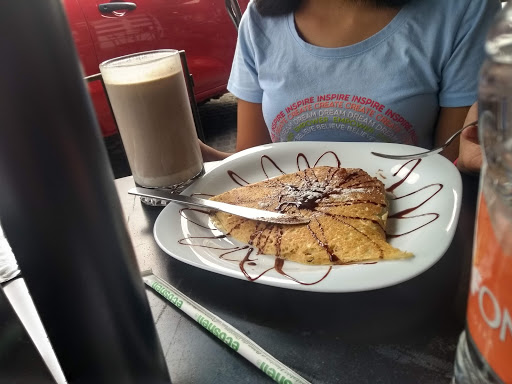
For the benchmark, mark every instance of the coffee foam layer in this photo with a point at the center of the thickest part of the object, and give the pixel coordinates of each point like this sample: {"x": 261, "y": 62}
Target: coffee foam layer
{"x": 140, "y": 68}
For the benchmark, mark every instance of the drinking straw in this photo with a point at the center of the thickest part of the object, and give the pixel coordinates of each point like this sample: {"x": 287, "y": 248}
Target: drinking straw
{"x": 232, "y": 337}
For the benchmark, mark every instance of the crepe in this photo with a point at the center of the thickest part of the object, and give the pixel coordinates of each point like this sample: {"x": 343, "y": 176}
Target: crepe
{"x": 347, "y": 207}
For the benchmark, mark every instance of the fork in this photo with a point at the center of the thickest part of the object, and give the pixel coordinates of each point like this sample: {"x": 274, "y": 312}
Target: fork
{"x": 426, "y": 153}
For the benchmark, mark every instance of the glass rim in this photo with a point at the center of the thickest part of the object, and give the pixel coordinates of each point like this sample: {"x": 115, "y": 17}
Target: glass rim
{"x": 107, "y": 63}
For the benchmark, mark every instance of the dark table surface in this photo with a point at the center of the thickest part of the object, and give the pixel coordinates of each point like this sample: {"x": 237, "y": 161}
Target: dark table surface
{"x": 406, "y": 333}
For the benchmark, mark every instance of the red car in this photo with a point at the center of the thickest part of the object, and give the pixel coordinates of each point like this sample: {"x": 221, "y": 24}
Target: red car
{"x": 205, "y": 29}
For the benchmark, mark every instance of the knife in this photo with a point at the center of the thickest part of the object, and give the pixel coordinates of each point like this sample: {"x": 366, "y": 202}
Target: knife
{"x": 248, "y": 213}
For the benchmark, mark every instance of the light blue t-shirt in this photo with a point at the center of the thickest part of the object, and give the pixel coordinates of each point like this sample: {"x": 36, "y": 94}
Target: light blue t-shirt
{"x": 387, "y": 88}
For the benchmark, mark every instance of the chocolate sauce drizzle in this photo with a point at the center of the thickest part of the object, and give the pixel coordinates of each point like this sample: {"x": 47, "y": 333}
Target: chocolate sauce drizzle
{"x": 294, "y": 199}
{"x": 404, "y": 214}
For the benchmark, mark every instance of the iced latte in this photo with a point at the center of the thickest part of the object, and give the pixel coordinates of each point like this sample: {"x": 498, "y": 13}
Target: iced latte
{"x": 149, "y": 98}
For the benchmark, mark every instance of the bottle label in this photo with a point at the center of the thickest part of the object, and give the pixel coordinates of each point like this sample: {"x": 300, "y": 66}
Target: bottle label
{"x": 489, "y": 313}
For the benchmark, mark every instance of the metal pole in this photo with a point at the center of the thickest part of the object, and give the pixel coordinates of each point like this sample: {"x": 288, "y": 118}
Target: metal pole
{"x": 60, "y": 209}
{"x": 189, "y": 81}
{"x": 234, "y": 11}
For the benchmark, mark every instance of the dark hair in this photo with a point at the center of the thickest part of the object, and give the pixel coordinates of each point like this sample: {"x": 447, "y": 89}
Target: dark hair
{"x": 276, "y": 7}
{"x": 391, "y": 3}
{"x": 283, "y": 7}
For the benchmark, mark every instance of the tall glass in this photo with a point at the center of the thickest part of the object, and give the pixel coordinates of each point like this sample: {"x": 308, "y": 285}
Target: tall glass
{"x": 149, "y": 98}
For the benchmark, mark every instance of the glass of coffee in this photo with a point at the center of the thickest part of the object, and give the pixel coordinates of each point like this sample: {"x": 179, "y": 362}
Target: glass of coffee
{"x": 150, "y": 102}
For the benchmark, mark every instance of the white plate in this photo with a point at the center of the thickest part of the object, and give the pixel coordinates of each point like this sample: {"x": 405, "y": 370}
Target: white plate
{"x": 187, "y": 235}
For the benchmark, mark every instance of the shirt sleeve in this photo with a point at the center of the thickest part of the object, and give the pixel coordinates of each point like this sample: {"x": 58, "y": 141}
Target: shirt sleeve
{"x": 243, "y": 81}
{"x": 459, "y": 82}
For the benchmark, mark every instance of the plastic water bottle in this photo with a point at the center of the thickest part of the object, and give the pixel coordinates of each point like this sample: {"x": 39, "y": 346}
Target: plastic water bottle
{"x": 484, "y": 353}
{"x": 8, "y": 265}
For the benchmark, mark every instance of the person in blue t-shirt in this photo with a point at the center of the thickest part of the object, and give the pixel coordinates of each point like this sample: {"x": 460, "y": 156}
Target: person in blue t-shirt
{"x": 399, "y": 71}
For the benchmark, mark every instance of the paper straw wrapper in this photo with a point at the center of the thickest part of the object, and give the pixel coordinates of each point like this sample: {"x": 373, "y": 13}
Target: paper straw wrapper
{"x": 232, "y": 337}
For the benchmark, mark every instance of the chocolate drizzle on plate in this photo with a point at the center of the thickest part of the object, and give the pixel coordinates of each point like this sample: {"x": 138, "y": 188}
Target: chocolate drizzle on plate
{"x": 405, "y": 213}
{"x": 311, "y": 196}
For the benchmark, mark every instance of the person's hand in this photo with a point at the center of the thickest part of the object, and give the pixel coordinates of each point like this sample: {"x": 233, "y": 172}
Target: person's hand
{"x": 470, "y": 152}
{"x": 211, "y": 154}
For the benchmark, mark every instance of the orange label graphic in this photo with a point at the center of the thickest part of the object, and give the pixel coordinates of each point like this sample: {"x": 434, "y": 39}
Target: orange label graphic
{"x": 490, "y": 298}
